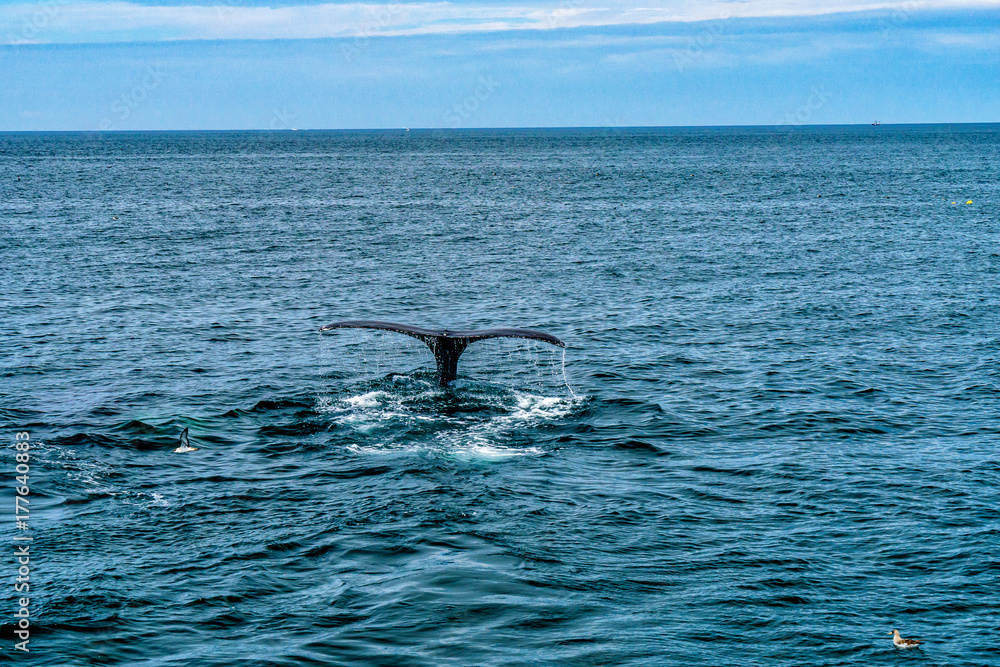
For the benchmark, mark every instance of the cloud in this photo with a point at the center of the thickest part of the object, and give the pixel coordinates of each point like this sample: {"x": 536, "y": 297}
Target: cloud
{"x": 62, "y": 21}
{"x": 986, "y": 41}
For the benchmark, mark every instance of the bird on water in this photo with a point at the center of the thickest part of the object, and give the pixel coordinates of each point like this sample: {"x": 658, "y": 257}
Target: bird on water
{"x": 900, "y": 642}
{"x": 185, "y": 443}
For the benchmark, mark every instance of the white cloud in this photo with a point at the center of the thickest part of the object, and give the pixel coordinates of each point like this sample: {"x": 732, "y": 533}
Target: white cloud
{"x": 985, "y": 41}
{"x": 60, "y": 21}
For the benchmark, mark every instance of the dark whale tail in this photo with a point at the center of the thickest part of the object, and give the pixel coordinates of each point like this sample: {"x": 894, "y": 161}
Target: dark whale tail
{"x": 447, "y": 345}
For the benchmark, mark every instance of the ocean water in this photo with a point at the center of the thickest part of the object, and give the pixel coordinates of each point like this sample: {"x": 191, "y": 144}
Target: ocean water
{"x": 773, "y": 436}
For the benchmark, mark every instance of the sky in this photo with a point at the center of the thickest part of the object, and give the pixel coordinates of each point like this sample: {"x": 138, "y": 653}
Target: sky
{"x": 294, "y": 64}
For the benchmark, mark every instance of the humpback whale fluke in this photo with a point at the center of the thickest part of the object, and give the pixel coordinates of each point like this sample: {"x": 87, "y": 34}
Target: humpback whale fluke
{"x": 447, "y": 345}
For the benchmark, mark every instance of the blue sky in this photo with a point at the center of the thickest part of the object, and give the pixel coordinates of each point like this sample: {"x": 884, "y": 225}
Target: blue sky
{"x": 229, "y": 64}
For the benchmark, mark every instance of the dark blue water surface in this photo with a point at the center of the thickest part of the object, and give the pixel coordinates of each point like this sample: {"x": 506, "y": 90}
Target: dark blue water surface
{"x": 774, "y": 437}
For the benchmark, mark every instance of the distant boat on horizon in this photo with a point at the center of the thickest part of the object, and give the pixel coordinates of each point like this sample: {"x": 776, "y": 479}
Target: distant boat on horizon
{"x": 876, "y": 123}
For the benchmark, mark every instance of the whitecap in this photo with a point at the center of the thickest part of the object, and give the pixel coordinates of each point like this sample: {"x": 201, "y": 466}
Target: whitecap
{"x": 369, "y": 400}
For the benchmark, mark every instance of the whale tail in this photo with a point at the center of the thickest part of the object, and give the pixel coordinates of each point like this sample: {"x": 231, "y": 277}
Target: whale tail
{"x": 447, "y": 345}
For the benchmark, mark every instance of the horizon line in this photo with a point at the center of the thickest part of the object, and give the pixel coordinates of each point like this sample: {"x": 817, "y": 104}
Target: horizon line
{"x": 461, "y": 130}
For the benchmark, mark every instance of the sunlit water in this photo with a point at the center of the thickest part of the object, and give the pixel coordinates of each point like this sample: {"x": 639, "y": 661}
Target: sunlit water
{"x": 773, "y": 438}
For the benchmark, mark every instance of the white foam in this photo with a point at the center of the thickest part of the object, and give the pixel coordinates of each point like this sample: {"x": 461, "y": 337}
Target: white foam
{"x": 541, "y": 407}
{"x": 372, "y": 399}
{"x": 92, "y": 476}
{"x": 369, "y": 400}
{"x": 485, "y": 452}
{"x": 364, "y": 412}
{"x": 469, "y": 452}
{"x": 465, "y": 436}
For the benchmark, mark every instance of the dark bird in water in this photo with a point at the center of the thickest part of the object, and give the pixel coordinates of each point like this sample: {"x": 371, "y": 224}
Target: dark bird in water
{"x": 185, "y": 442}
{"x": 900, "y": 642}
{"x": 446, "y": 345}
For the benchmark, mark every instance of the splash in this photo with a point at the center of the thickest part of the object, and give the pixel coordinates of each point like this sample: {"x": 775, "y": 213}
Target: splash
{"x": 566, "y": 377}
{"x": 472, "y": 421}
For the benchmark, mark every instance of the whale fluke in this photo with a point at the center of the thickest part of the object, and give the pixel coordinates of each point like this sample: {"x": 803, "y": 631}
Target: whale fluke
{"x": 447, "y": 345}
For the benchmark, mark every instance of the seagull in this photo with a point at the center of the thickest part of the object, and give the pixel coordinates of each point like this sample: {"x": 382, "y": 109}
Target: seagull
{"x": 186, "y": 445}
{"x": 899, "y": 642}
